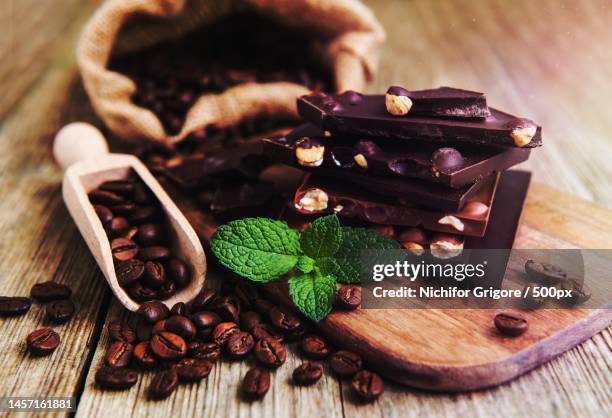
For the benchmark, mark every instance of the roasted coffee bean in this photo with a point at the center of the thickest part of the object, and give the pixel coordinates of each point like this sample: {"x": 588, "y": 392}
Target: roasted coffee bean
{"x": 14, "y": 306}
{"x": 314, "y": 347}
{"x": 128, "y": 272}
{"x": 153, "y": 311}
{"x": 168, "y": 346}
{"x": 529, "y": 300}
{"x": 223, "y": 331}
{"x": 249, "y": 319}
{"x": 261, "y": 331}
{"x": 117, "y": 227}
{"x": 103, "y": 197}
{"x": 345, "y": 363}
{"x": 158, "y": 327}
{"x": 131, "y": 233}
{"x": 145, "y": 215}
{"x": 263, "y": 306}
{"x": 117, "y": 379}
{"x": 200, "y": 302}
{"x": 154, "y": 274}
{"x": 270, "y": 353}
{"x": 121, "y": 332}
{"x": 103, "y": 213}
{"x": 167, "y": 290}
{"x": 307, "y": 373}
{"x": 349, "y": 297}
{"x": 239, "y": 345}
{"x": 179, "y": 308}
{"x": 144, "y": 331}
{"x": 48, "y": 291}
{"x": 227, "y": 308}
{"x": 150, "y": 234}
{"x": 124, "y": 209}
{"x": 247, "y": 294}
{"x": 256, "y": 383}
{"x": 123, "y": 249}
{"x": 164, "y": 383}
{"x": 205, "y": 351}
{"x": 579, "y": 291}
{"x": 285, "y": 322}
{"x": 122, "y": 187}
{"x": 119, "y": 354}
{"x": 544, "y": 272}
{"x": 205, "y": 322}
{"x": 181, "y": 325}
{"x": 142, "y": 196}
{"x": 179, "y": 272}
{"x": 192, "y": 369}
{"x": 43, "y": 341}
{"x": 143, "y": 355}
{"x": 142, "y": 293}
{"x": 153, "y": 253}
{"x": 367, "y": 385}
{"x": 59, "y": 310}
{"x": 511, "y": 323}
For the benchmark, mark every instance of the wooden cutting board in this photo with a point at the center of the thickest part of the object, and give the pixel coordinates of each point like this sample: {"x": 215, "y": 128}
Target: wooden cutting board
{"x": 459, "y": 349}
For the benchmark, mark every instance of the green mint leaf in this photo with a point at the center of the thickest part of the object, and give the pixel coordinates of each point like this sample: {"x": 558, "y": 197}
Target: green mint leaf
{"x": 345, "y": 265}
{"x": 322, "y": 238}
{"x": 305, "y": 264}
{"x": 257, "y": 248}
{"x": 313, "y": 294}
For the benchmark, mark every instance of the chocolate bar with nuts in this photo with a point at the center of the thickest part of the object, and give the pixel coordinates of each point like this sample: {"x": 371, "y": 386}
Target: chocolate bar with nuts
{"x": 320, "y": 195}
{"x": 386, "y": 158}
{"x": 446, "y": 102}
{"x": 352, "y": 113}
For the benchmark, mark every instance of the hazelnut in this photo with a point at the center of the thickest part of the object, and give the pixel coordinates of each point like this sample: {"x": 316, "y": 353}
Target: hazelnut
{"x": 309, "y": 152}
{"x": 414, "y": 248}
{"x": 475, "y": 209}
{"x": 338, "y": 208}
{"x": 397, "y": 105}
{"x": 313, "y": 200}
{"x": 522, "y": 136}
{"x": 453, "y": 221}
{"x": 361, "y": 160}
{"x": 446, "y": 246}
{"x": 327, "y": 134}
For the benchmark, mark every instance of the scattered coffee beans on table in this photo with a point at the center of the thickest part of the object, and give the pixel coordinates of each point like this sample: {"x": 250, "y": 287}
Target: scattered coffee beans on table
{"x": 511, "y": 323}
{"x": 43, "y": 341}
{"x": 14, "y": 305}
{"x": 256, "y": 383}
{"x": 307, "y": 373}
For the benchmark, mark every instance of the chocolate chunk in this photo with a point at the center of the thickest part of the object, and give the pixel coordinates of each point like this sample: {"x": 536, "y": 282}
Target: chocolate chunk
{"x": 444, "y": 102}
{"x": 242, "y": 197}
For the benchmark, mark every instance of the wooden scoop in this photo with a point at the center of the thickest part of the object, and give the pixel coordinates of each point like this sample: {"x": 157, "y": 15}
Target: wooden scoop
{"x": 81, "y": 149}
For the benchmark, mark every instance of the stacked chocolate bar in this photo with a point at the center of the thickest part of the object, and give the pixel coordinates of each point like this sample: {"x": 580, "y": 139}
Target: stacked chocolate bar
{"x": 425, "y": 167}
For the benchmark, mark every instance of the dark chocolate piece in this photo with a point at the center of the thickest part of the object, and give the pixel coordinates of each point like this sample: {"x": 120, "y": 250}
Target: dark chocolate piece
{"x": 388, "y": 158}
{"x": 319, "y": 195}
{"x": 443, "y": 102}
{"x": 242, "y": 197}
{"x": 369, "y": 117}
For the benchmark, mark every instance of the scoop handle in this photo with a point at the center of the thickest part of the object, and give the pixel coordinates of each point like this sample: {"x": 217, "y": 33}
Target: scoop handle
{"x": 78, "y": 141}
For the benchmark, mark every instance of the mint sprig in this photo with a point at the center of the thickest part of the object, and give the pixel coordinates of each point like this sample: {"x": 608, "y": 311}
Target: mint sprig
{"x": 263, "y": 250}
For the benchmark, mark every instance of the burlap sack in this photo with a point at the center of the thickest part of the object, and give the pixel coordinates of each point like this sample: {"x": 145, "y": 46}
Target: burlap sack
{"x": 354, "y": 34}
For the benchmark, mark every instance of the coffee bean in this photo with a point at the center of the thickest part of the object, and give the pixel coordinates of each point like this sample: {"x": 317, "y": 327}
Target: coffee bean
{"x": 48, "y": 291}
{"x": 14, "y": 305}
{"x": 179, "y": 272}
{"x": 119, "y": 354}
{"x": 150, "y": 234}
{"x": 145, "y": 215}
{"x": 117, "y": 227}
{"x": 158, "y": 327}
{"x": 128, "y": 272}
{"x": 249, "y": 319}
{"x": 153, "y": 311}
{"x": 349, "y": 297}
{"x": 167, "y": 290}
{"x": 164, "y": 383}
{"x": 579, "y": 291}
{"x": 544, "y": 272}
{"x": 205, "y": 351}
{"x": 122, "y": 187}
{"x": 227, "y": 308}
{"x": 511, "y": 323}
{"x": 123, "y": 249}
{"x": 60, "y": 311}
{"x": 314, "y": 347}
{"x": 345, "y": 363}
{"x": 117, "y": 379}
{"x": 143, "y": 355}
{"x": 263, "y": 306}
{"x": 256, "y": 383}
{"x": 285, "y": 321}
{"x": 181, "y": 325}
{"x": 247, "y": 294}
{"x": 307, "y": 373}
{"x": 261, "y": 331}
{"x": 153, "y": 253}
{"x": 205, "y": 322}
{"x": 200, "y": 302}
{"x": 270, "y": 353}
{"x": 529, "y": 300}
{"x": 239, "y": 345}
{"x": 121, "y": 332}
{"x": 142, "y": 196}
{"x": 103, "y": 197}
{"x": 141, "y": 293}
{"x": 154, "y": 274}
{"x": 192, "y": 369}
{"x": 168, "y": 346}
{"x": 144, "y": 331}
{"x": 179, "y": 308}
{"x": 367, "y": 385}
{"x": 103, "y": 213}
{"x": 223, "y": 331}
{"x": 43, "y": 341}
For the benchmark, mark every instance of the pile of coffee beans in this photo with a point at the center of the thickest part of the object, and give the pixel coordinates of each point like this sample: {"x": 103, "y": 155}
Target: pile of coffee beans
{"x": 238, "y": 49}
{"x": 182, "y": 344}
{"x": 138, "y": 234}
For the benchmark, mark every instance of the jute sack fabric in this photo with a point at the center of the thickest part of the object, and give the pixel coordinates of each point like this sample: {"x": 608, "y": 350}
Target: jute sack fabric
{"x": 346, "y": 31}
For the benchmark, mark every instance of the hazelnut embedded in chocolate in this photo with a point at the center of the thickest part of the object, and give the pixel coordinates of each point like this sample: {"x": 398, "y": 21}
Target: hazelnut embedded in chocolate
{"x": 313, "y": 200}
{"x": 414, "y": 247}
{"x": 452, "y": 221}
{"x": 361, "y": 161}
{"x": 444, "y": 246}
{"x": 309, "y": 152}
{"x": 523, "y": 133}
{"x": 397, "y": 101}
{"x": 445, "y": 159}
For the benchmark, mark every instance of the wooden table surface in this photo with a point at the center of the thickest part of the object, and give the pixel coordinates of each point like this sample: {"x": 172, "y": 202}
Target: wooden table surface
{"x": 547, "y": 60}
